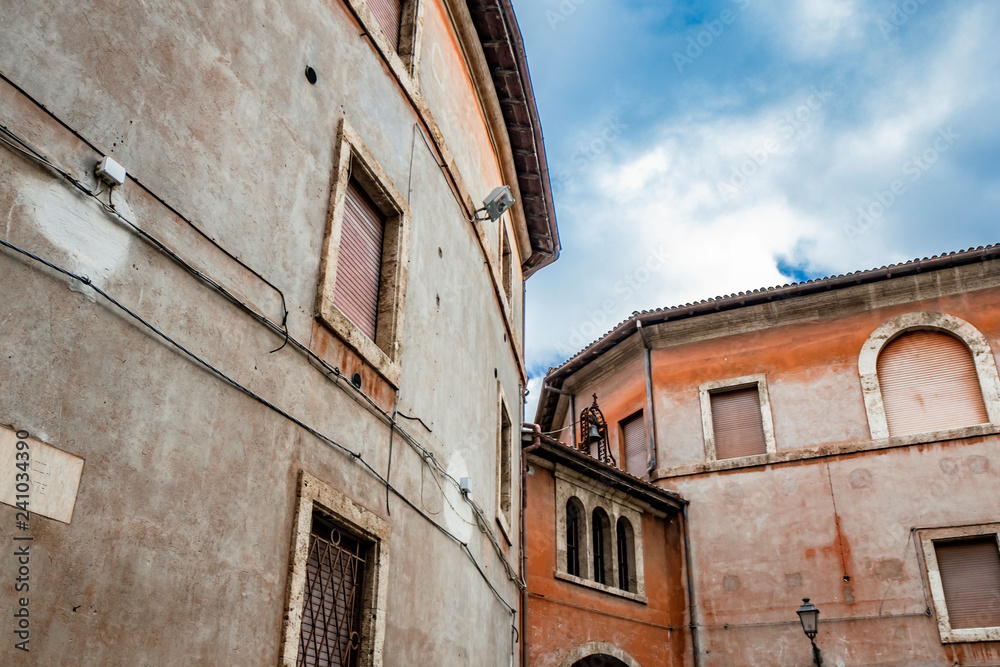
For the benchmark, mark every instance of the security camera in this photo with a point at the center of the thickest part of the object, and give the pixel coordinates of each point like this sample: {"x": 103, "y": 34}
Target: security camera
{"x": 497, "y": 202}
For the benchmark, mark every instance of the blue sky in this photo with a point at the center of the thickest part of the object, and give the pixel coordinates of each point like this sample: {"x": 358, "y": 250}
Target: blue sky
{"x": 703, "y": 148}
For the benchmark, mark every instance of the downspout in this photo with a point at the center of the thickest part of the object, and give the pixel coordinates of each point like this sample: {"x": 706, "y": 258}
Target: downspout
{"x": 692, "y": 605}
{"x": 650, "y": 417}
{"x": 572, "y": 411}
{"x": 536, "y": 442}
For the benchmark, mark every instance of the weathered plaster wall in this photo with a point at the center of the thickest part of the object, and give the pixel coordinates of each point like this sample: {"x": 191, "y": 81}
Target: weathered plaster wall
{"x": 179, "y": 547}
{"x": 831, "y": 515}
{"x": 564, "y": 615}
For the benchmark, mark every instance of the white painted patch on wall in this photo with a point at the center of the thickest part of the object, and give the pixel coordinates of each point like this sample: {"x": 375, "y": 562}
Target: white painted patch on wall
{"x": 95, "y": 244}
{"x": 458, "y": 517}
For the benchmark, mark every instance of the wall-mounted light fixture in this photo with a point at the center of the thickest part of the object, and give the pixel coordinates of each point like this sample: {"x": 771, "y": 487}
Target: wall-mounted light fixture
{"x": 809, "y": 615}
{"x": 496, "y": 203}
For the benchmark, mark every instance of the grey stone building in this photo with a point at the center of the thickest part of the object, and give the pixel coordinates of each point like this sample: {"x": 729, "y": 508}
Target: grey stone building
{"x": 265, "y": 393}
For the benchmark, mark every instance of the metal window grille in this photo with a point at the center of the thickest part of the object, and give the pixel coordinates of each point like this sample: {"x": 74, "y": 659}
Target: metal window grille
{"x": 623, "y": 549}
{"x": 334, "y": 592}
{"x": 572, "y": 540}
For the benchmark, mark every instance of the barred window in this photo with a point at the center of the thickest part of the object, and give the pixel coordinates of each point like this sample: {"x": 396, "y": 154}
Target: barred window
{"x": 334, "y": 592}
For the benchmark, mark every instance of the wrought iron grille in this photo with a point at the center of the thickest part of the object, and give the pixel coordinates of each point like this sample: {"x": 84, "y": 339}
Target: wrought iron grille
{"x": 331, "y": 614}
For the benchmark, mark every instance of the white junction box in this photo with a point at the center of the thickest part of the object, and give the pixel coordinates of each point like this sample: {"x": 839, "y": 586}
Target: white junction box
{"x": 111, "y": 172}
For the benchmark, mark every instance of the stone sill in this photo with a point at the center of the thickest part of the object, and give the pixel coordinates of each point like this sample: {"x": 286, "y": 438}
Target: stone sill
{"x": 821, "y": 451}
{"x": 635, "y": 597}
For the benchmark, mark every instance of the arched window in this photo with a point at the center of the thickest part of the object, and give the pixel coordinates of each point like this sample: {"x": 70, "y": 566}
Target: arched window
{"x": 929, "y": 383}
{"x": 573, "y": 537}
{"x": 602, "y": 544}
{"x": 626, "y": 555}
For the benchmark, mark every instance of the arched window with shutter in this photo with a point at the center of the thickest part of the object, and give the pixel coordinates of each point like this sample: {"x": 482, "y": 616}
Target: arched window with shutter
{"x": 626, "y": 555}
{"x": 602, "y": 546}
{"x": 929, "y": 383}
{"x": 922, "y": 372}
{"x": 574, "y": 515}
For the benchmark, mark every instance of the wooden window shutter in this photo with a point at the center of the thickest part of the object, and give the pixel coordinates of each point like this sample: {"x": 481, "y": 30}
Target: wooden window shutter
{"x": 359, "y": 260}
{"x": 636, "y": 451}
{"x": 970, "y": 576}
{"x": 388, "y": 14}
{"x": 929, "y": 383}
{"x": 737, "y": 423}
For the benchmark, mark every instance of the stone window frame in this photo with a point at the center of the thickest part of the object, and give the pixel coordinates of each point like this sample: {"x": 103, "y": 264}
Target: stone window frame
{"x": 982, "y": 356}
{"x": 705, "y": 392}
{"x": 404, "y": 60}
{"x": 505, "y": 522}
{"x": 315, "y": 494}
{"x": 353, "y": 161}
{"x": 928, "y": 537}
{"x": 616, "y": 504}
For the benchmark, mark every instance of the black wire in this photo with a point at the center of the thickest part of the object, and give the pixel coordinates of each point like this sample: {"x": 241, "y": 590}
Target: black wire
{"x": 388, "y": 470}
{"x": 282, "y": 329}
{"x": 263, "y": 401}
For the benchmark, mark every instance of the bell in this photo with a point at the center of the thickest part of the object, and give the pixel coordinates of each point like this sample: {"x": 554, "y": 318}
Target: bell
{"x": 594, "y": 435}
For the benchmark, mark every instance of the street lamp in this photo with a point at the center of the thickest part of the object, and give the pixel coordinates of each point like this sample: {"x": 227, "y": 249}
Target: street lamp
{"x": 809, "y": 615}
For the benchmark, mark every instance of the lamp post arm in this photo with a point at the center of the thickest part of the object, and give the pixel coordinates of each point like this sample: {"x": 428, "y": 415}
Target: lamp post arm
{"x": 817, "y": 658}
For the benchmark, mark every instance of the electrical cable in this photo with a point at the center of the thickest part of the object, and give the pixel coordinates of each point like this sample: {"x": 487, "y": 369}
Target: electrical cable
{"x": 263, "y": 401}
{"x": 280, "y": 329}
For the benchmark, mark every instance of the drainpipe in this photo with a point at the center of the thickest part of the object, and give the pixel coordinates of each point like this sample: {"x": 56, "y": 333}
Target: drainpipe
{"x": 536, "y": 442}
{"x": 692, "y": 605}
{"x": 572, "y": 411}
{"x": 650, "y": 418}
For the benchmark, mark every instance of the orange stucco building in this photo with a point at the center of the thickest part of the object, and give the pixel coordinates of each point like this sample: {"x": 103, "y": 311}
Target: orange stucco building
{"x": 836, "y": 440}
{"x": 605, "y": 563}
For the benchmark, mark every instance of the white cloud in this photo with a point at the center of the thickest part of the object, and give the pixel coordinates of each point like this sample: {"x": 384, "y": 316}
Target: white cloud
{"x": 728, "y": 188}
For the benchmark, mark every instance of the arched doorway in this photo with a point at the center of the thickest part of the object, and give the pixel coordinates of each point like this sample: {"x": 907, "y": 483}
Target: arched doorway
{"x": 599, "y": 661}
{"x": 598, "y": 654}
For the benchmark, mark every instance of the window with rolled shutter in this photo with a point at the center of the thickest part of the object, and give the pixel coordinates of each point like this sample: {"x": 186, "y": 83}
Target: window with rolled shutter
{"x": 359, "y": 260}
{"x": 334, "y": 589}
{"x": 388, "y": 14}
{"x": 737, "y": 423}
{"x": 929, "y": 383}
{"x": 634, "y": 443}
{"x": 970, "y": 576}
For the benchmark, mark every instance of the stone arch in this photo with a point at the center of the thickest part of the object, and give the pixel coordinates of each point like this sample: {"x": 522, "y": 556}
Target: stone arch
{"x": 982, "y": 356}
{"x": 597, "y": 650}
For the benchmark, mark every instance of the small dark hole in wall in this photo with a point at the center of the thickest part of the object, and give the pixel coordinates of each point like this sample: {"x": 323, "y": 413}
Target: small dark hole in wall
{"x": 846, "y": 578}
{"x": 494, "y": 372}
{"x": 311, "y": 75}
{"x": 356, "y": 380}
